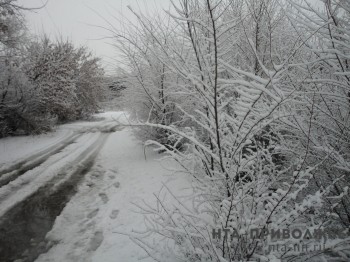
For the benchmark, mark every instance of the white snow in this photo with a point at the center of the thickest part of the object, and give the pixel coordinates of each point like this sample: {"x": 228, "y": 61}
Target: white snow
{"x": 93, "y": 224}
{"x": 14, "y": 148}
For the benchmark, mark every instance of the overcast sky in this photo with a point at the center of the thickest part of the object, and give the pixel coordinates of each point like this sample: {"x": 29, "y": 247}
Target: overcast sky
{"x": 75, "y": 19}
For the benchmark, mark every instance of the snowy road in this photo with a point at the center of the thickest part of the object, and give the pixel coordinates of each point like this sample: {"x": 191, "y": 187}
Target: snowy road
{"x": 64, "y": 196}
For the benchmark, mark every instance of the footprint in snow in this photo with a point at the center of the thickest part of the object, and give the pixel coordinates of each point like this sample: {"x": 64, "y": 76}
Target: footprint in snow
{"x": 97, "y": 174}
{"x": 112, "y": 173}
{"x": 104, "y": 198}
{"x": 114, "y": 214}
{"x": 96, "y": 241}
{"x": 116, "y": 184}
{"x": 93, "y": 213}
{"x": 90, "y": 184}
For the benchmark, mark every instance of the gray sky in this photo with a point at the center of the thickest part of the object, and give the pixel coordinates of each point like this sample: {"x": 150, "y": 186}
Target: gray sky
{"x": 75, "y": 19}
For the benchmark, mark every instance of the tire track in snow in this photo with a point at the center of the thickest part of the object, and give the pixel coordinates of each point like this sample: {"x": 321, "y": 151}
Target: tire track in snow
{"x": 24, "y": 185}
{"x": 56, "y": 165}
{"x": 42, "y": 153}
{"x": 24, "y": 224}
{"x": 18, "y": 169}
{"x": 12, "y": 172}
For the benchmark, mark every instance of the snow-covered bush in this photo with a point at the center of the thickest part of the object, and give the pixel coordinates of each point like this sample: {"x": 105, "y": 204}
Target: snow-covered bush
{"x": 42, "y": 82}
{"x": 152, "y": 90}
{"x": 261, "y": 142}
{"x": 20, "y": 106}
{"x": 69, "y": 79}
{"x": 326, "y": 85}
{"x": 19, "y": 99}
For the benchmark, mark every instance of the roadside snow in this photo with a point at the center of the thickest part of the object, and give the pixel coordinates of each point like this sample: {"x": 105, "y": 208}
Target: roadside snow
{"x": 89, "y": 227}
{"x": 93, "y": 225}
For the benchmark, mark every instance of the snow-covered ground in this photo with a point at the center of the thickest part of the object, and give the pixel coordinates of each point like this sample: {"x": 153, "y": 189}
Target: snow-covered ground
{"x": 116, "y": 174}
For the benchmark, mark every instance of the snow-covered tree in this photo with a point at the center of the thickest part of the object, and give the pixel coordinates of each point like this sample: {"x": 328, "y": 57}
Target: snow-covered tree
{"x": 248, "y": 118}
{"x": 69, "y": 79}
{"x": 151, "y": 86}
{"x": 15, "y": 91}
{"x": 12, "y": 24}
